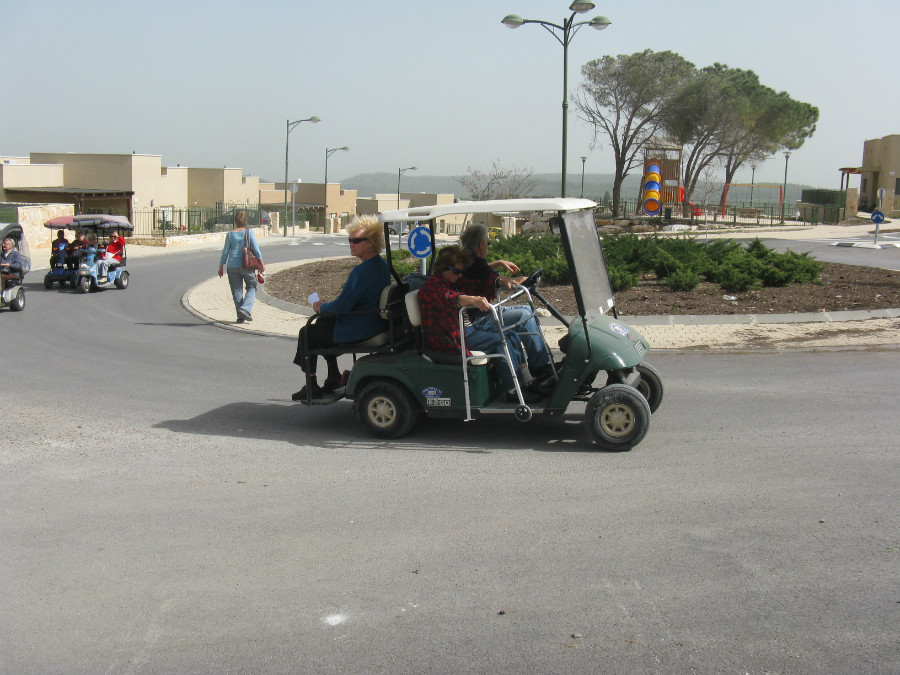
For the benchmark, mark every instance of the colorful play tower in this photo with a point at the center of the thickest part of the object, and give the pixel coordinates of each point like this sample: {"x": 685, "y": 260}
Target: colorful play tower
{"x": 661, "y": 180}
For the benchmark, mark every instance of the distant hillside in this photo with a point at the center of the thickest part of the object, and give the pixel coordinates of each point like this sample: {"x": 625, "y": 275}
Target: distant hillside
{"x": 546, "y": 185}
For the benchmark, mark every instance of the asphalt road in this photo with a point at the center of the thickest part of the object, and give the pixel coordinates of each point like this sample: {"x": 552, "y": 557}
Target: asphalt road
{"x": 164, "y": 507}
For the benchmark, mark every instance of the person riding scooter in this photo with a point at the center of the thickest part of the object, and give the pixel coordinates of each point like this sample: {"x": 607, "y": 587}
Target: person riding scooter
{"x": 11, "y": 265}
{"x": 113, "y": 254}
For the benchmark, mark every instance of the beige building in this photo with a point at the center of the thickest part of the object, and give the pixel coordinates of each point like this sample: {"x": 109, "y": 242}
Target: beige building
{"x": 880, "y": 170}
{"x": 151, "y": 194}
{"x": 125, "y": 184}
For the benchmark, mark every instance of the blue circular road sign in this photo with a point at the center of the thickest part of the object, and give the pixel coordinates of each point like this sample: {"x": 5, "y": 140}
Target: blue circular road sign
{"x": 877, "y": 217}
{"x": 419, "y": 242}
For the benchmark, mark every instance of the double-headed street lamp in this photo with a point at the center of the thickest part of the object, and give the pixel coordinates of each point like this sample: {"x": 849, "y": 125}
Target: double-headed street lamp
{"x": 568, "y": 29}
{"x": 287, "y": 138}
{"x": 400, "y": 172}
{"x": 328, "y": 153}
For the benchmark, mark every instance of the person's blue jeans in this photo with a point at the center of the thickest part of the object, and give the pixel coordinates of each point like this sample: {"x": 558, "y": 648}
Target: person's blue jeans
{"x": 238, "y": 278}
{"x": 529, "y": 332}
{"x": 486, "y": 339}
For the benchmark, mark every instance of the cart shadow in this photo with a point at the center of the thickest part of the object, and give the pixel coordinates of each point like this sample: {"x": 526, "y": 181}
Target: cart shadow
{"x": 335, "y": 427}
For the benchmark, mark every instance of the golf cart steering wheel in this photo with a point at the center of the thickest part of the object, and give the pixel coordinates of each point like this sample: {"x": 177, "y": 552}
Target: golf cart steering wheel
{"x": 533, "y": 278}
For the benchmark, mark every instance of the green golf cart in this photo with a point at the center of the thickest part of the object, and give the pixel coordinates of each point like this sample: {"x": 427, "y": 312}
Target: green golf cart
{"x": 395, "y": 380}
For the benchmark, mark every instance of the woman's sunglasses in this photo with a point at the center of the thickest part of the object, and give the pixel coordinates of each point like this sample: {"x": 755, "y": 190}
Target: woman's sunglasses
{"x": 357, "y": 240}
{"x": 453, "y": 269}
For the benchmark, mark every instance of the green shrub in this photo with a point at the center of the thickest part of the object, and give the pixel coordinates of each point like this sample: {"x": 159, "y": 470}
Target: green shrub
{"x": 734, "y": 280}
{"x": 620, "y": 279}
{"x": 683, "y": 280}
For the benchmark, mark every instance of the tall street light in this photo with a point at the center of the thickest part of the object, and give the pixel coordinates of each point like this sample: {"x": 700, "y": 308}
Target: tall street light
{"x": 328, "y": 153}
{"x": 566, "y": 33}
{"x": 287, "y": 138}
{"x": 400, "y": 172}
{"x": 583, "y": 160}
{"x": 753, "y": 166}
{"x": 787, "y": 156}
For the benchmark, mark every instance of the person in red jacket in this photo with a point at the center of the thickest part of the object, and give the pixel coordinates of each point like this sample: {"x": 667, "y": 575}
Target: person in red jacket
{"x": 113, "y": 256}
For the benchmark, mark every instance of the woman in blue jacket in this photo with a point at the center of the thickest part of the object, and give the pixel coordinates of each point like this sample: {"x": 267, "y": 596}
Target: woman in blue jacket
{"x": 360, "y": 292}
{"x": 239, "y": 277}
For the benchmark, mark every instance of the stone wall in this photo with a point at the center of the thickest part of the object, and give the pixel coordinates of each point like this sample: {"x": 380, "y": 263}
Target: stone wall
{"x": 186, "y": 240}
{"x": 32, "y": 218}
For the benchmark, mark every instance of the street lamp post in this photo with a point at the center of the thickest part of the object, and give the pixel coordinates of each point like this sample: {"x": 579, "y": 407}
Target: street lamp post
{"x": 787, "y": 156}
{"x": 753, "y": 166}
{"x": 287, "y": 138}
{"x": 568, "y": 29}
{"x": 583, "y": 160}
{"x": 328, "y": 153}
{"x": 400, "y": 172}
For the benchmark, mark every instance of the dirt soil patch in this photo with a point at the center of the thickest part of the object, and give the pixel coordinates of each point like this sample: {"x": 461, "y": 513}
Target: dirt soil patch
{"x": 844, "y": 287}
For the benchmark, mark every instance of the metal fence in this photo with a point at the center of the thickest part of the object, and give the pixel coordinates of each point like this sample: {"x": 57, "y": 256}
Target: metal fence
{"x": 737, "y": 213}
{"x": 168, "y": 222}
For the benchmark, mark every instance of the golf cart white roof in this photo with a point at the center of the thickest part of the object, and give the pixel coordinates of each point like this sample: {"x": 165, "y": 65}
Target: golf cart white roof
{"x": 495, "y": 206}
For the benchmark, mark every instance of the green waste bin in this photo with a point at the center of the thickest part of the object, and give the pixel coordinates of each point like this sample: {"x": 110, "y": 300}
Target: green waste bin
{"x": 668, "y": 213}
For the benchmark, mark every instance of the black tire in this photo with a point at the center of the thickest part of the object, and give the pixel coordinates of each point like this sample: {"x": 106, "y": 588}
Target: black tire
{"x": 617, "y": 417}
{"x": 386, "y": 409}
{"x": 651, "y": 385}
{"x": 48, "y": 282}
{"x": 17, "y": 304}
{"x": 84, "y": 284}
{"x": 122, "y": 281}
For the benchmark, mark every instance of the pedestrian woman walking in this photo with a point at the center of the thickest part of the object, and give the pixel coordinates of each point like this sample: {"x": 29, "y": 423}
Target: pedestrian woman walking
{"x": 239, "y": 277}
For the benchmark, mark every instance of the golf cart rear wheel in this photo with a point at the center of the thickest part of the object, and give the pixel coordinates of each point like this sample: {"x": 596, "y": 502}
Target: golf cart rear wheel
{"x": 651, "y": 385}
{"x": 18, "y": 302}
{"x": 84, "y": 284}
{"x": 617, "y": 417}
{"x": 122, "y": 281}
{"x": 385, "y": 409}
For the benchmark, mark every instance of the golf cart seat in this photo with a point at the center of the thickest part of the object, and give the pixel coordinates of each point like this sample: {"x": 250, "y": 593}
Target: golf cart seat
{"x": 391, "y": 309}
{"x": 414, "y": 314}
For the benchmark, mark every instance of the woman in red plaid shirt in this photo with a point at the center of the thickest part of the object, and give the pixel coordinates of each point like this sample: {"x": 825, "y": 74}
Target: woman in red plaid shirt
{"x": 439, "y": 304}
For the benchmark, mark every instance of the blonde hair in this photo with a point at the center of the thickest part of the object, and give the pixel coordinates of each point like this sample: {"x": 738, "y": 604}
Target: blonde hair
{"x": 240, "y": 219}
{"x": 370, "y": 228}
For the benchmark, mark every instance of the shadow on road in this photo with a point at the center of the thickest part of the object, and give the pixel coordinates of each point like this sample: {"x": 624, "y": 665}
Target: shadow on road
{"x": 335, "y": 426}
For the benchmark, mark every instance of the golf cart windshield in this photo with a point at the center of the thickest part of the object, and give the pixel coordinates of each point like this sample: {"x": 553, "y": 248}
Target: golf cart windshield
{"x": 587, "y": 264}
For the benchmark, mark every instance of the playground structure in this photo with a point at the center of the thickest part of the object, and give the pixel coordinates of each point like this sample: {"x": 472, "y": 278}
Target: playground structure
{"x": 661, "y": 180}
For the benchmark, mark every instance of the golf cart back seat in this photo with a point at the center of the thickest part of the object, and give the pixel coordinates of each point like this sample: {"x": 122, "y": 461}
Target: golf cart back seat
{"x": 392, "y": 309}
{"x": 414, "y": 315}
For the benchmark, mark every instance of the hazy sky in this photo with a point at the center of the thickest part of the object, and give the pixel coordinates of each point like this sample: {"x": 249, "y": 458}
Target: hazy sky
{"x": 439, "y": 84}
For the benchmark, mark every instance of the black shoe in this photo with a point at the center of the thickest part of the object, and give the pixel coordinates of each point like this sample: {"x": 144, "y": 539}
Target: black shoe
{"x": 331, "y": 383}
{"x": 543, "y": 372}
{"x": 301, "y": 395}
{"x": 542, "y": 389}
{"x": 527, "y": 396}
{"x": 243, "y": 313}
{"x": 240, "y": 319}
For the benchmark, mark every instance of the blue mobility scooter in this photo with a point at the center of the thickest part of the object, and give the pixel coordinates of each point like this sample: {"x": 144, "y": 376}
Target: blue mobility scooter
{"x": 86, "y": 275}
{"x": 62, "y": 266}
{"x": 12, "y": 294}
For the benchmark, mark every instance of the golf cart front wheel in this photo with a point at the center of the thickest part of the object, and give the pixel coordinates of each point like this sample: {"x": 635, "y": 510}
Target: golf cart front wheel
{"x": 617, "y": 417}
{"x": 84, "y": 284}
{"x": 122, "y": 281}
{"x": 651, "y": 385}
{"x": 385, "y": 409}
{"x": 48, "y": 282}
{"x": 17, "y": 304}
